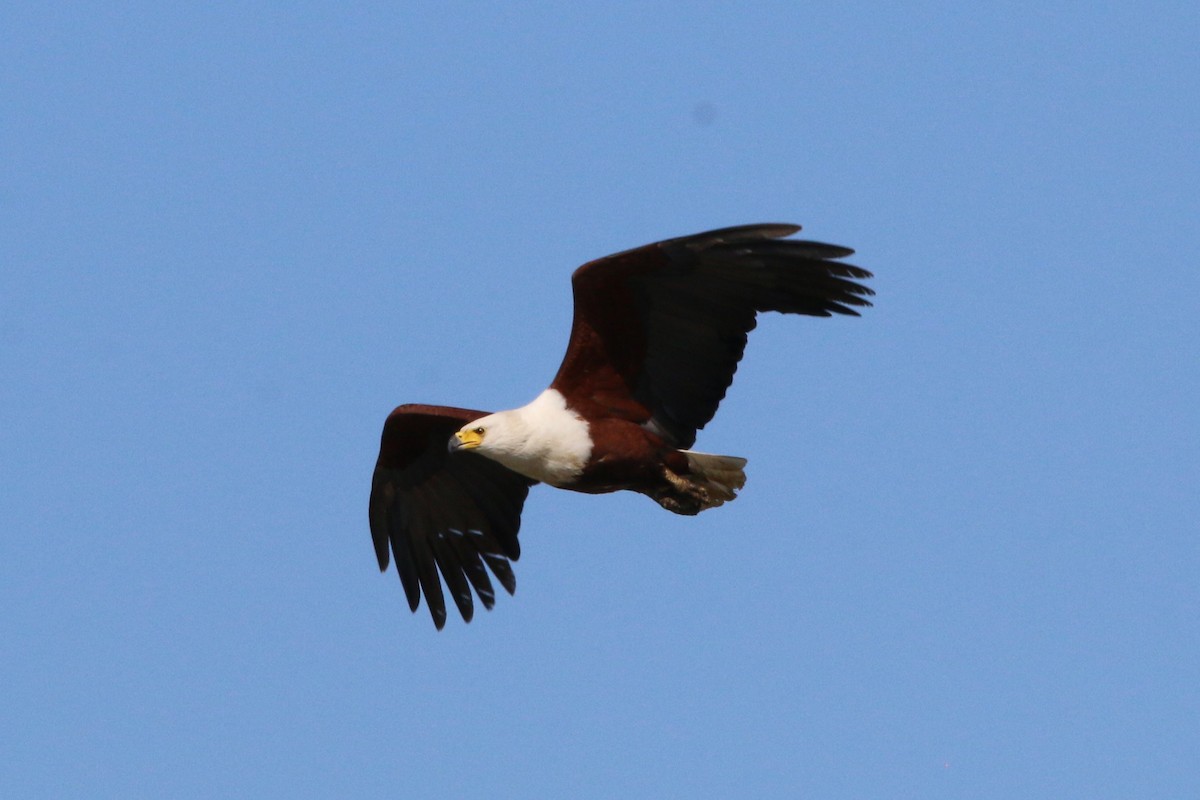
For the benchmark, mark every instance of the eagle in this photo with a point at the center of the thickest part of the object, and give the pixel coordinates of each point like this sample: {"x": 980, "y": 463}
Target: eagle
{"x": 657, "y": 335}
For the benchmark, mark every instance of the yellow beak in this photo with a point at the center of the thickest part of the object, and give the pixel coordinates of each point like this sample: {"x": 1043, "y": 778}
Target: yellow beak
{"x": 468, "y": 440}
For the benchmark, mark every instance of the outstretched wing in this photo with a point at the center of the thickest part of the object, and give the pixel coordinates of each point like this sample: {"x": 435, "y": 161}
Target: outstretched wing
{"x": 659, "y": 330}
{"x": 442, "y": 511}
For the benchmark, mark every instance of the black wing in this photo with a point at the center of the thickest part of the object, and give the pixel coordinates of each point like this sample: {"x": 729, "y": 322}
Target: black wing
{"x": 659, "y": 330}
{"x": 442, "y": 511}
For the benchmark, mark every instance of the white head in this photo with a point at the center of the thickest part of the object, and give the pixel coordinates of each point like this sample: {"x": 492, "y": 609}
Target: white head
{"x": 489, "y": 436}
{"x": 543, "y": 440}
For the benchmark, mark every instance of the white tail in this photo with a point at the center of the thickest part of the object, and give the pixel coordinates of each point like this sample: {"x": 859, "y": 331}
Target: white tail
{"x": 720, "y": 476}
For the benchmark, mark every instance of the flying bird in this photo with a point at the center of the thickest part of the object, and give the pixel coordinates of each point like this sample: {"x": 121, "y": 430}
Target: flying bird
{"x": 657, "y": 335}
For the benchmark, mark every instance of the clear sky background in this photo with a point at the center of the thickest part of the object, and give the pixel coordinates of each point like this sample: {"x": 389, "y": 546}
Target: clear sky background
{"x": 234, "y": 236}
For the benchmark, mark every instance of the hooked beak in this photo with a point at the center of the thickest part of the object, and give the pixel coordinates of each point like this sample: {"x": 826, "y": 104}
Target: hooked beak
{"x": 464, "y": 440}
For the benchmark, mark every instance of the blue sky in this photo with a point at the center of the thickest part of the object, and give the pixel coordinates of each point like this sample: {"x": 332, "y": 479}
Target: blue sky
{"x": 235, "y": 236}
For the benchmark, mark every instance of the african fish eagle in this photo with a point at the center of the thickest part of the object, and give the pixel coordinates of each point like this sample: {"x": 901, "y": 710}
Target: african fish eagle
{"x": 657, "y": 335}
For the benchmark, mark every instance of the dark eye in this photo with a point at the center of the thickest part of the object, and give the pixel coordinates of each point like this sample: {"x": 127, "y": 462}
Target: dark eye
{"x": 479, "y": 431}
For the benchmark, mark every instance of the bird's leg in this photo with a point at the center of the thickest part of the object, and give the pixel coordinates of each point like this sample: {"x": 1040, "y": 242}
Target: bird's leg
{"x": 682, "y": 496}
